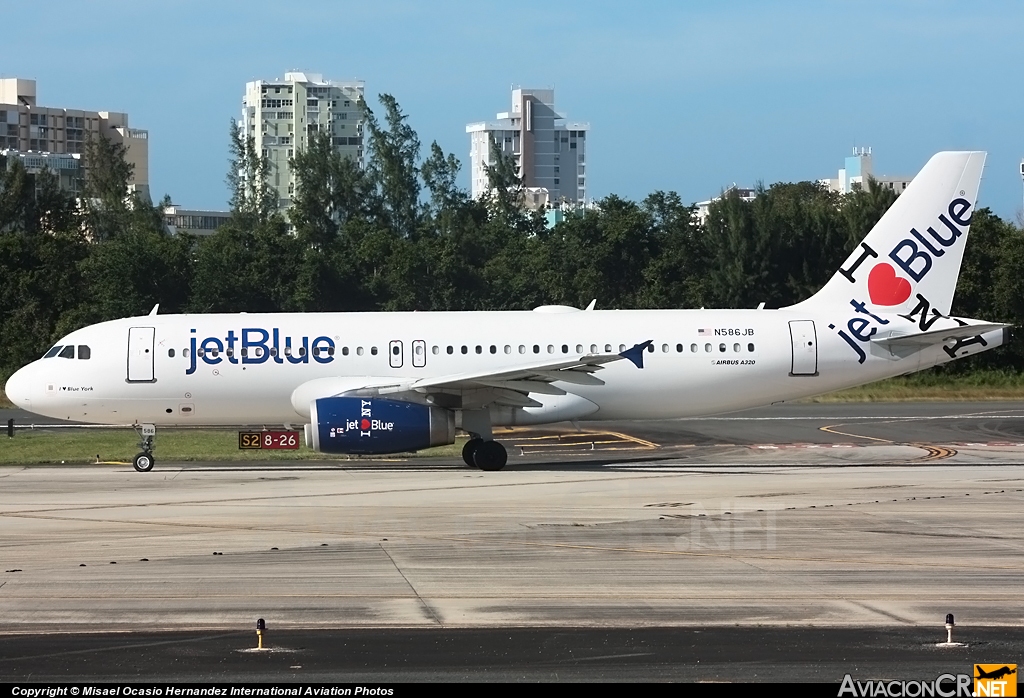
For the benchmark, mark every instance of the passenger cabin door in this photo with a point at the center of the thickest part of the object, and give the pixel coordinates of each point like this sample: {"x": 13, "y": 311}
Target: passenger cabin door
{"x": 140, "y": 354}
{"x": 805, "y": 348}
{"x": 395, "y": 354}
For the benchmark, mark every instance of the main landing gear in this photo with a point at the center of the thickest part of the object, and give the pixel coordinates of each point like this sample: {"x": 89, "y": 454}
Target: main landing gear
{"x": 144, "y": 461}
{"x": 486, "y": 455}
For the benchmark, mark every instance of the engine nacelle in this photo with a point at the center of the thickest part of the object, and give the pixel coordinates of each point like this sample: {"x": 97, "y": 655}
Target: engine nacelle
{"x": 376, "y": 425}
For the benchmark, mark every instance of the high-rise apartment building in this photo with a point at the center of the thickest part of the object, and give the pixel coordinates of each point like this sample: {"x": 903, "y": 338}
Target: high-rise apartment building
{"x": 280, "y": 114}
{"x": 25, "y": 127}
{"x": 550, "y": 151}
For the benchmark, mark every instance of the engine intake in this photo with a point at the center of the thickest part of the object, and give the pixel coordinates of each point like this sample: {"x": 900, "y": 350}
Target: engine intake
{"x": 371, "y": 425}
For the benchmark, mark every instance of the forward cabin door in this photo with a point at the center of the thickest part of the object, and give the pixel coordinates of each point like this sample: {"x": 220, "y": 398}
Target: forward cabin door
{"x": 805, "y": 348}
{"x": 140, "y": 354}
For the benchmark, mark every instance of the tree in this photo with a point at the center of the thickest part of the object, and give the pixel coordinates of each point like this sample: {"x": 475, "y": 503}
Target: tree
{"x": 392, "y": 167}
{"x": 330, "y": 190}
{"x": 107, "y": 202}
{"x": 252, "y": 197}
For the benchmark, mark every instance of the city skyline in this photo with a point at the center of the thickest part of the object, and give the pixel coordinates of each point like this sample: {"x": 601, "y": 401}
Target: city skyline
{"x": 681, "y": 97}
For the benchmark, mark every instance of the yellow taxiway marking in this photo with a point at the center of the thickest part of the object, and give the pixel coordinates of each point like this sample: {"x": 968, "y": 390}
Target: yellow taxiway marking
{"x": 832, "y": 430}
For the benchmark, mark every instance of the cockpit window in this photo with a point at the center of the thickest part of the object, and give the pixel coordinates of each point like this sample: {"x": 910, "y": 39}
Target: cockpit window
{"x": 53, "y": 352}
{"x": 68, "y": 352}
{"x": 84, "y": 352}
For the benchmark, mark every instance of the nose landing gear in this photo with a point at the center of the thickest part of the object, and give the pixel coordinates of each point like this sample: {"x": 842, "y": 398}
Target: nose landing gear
{"x": 144, "y": 461}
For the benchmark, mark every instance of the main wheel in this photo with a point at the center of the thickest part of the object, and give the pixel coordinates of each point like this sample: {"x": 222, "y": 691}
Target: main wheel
{"x": 469, "y": 450}
{"x": 144, "y": 462}
{"x": 490, "y": 455}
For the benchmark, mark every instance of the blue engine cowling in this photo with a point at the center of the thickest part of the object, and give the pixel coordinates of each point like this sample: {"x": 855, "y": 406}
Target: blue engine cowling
{"x": 377, "y": 425}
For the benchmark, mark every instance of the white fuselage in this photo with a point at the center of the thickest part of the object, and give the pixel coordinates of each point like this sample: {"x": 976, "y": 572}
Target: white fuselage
{"x": 704, "y": 361}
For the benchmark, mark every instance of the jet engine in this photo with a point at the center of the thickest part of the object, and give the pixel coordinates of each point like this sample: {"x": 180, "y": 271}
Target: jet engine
{"x": 377, "y": 425}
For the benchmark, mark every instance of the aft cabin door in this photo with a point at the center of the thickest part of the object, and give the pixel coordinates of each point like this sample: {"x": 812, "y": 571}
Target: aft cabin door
{"x": 140, "y": 354}
{"x": 805, "y": 348}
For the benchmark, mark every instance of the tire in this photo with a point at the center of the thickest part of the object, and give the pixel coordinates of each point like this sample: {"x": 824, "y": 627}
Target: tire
{"x": 144, "y": 462}
{"x": 469, "y": 450}
{"x": 491, "y": 456}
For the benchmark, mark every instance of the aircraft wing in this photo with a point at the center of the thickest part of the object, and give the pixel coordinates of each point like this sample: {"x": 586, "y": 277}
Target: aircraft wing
{"x": 970, "y": 328}
{"x": 512, "y": 386}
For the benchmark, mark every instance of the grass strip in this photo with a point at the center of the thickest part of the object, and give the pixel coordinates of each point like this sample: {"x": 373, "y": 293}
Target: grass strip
{"x": 33, "y": 446}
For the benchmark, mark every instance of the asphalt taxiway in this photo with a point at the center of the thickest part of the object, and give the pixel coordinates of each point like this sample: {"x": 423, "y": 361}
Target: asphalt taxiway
{"x": 883, "y": 522}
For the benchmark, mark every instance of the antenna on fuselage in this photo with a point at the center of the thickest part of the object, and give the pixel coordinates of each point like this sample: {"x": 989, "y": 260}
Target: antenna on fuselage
{"x": 155, "y": 308}
{"x": 593, "y": 304}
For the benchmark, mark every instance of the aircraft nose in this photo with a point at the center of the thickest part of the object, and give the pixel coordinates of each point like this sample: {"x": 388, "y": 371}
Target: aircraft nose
{"x": 19, "y": 388}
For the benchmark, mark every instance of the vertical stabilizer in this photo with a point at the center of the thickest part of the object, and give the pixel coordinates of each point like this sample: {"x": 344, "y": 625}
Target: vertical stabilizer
{"x": 913, "y": 254}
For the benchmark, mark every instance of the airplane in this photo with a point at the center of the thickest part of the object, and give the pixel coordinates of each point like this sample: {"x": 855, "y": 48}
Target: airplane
{"x": 995, "y": 673}
{"x": 375, "y": 383}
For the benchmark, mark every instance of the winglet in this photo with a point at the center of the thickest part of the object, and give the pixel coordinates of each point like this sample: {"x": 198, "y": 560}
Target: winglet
{"x": 636, "y": 353}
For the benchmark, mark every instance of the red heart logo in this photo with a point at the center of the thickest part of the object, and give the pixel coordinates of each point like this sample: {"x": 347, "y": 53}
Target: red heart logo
{"x": 885, "y": 288}
{"x": 365, "y": 424}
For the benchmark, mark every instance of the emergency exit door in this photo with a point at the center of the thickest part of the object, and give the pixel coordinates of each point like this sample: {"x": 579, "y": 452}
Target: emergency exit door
{"x": 805, "y": 348}
{"x": 395, "y": 353}
{"x": 140, "y": 354}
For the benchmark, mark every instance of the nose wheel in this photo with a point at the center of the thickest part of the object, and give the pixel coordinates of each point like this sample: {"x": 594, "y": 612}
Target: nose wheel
{"x": 144, "y": 461}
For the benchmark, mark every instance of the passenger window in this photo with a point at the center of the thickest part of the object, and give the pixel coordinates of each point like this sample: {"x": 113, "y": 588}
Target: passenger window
{"x": 479, "y": 349}
{"x": 551, "y": 348}
{"x": 565, "y": 348}
{"x": 245, "y": 352}
{"x": 435, "y": 350}
{"x": 721, "y": 347}
{"x": 418, "y": 350}
{"x": 273, "y": 351}
{"x": 170, "y": 352}
{"x": 707, "y": 347}
{"x": 359, "y": 351}
{"x": 508, "y": 349}
{"x": 579, "y": 348}
{"x": 395, "y": 350}
{"x": 536, "y": 348}
{"x": 607, "y": 348}
{"x": 664, "y": 348}
{"x": 373, "y": 350}
{"x": 593, "y": 348}
{"x": 736, "y": 347}
{"x": 84, "y": 352}
{"x": 68, "y": 352}
{"x": 316, "y": 351}
{"x": 679, "y": 348}
{"x": 693, "y": 348}
{"x": 451, "y": 350}
{"x": 302, "y": 351}
{"x": 344, "y": 351}
{"x": 522, "y": 348}
{"x": 200, "y": 352}
{"x": 465, "y": 349}
{"x": 287, "y": 350}
{"x": 750, "y": 347}
{"x": 53, "y": 352}
{"x": 650, "y": 348}
{"x": 494, "y": 349}
{"x": 230, "y": 351}
{"x": 184, "y": 352}
{"x": 622, "y": 347}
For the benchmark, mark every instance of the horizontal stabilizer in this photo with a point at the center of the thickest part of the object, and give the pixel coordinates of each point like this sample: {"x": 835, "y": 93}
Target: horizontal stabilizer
{"x": 942, "y": 336}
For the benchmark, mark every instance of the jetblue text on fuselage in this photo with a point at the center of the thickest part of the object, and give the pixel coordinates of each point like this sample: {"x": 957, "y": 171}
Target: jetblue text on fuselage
{"x": 916, "y": 260}
{"x": 255, "y": 345}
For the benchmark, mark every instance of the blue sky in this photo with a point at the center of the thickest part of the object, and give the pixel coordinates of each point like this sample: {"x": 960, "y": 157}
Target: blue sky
{"x": 680, "y": 96}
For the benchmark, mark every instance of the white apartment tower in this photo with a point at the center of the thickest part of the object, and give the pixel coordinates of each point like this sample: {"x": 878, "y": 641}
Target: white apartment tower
{"x": 550, "y": 151}
{"x": 280, "y": 114}
{"x": 55, "y": 137}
